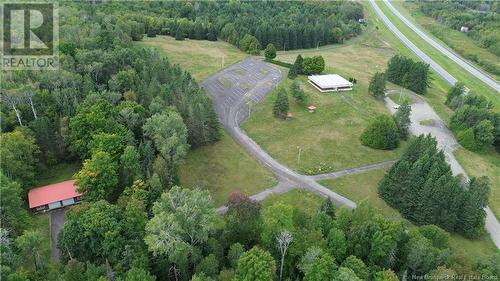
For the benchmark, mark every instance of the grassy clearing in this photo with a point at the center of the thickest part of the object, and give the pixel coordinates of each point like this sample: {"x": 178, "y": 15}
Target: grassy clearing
{"x": 328, "y": 139}
{"x": 303, "y": 200}
{"x": 224, "y": 167}
{"x": 476, "y": 85}
{"x": 456, "y": 40}
{"x": 486, "y": 163}
{"x": 199, "y": 57}
{"x": 364, "y": 186}
{"x": 58, "y": 173}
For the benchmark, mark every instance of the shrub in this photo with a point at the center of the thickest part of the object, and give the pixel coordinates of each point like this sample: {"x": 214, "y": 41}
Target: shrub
{"x": 313, "y": 65}
{"x": 382, "y": 133}
{"x": 270, "y": 52}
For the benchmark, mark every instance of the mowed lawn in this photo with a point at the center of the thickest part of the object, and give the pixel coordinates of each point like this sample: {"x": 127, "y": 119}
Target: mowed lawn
{"x": 328, "y": 139}
{"x": 201, "y": 58}
{"x": 364, "y": 187}
{"x": 224, "y": 167}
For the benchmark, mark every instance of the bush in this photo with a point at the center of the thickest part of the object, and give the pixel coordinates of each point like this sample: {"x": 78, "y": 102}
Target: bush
{"x": 270, "y": 52}
{"x": 382, "y": 133}
{"x": 313, "y": 65}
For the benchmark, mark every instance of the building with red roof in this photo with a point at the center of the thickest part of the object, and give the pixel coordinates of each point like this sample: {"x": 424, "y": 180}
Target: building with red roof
{"x": 53, "y": 196}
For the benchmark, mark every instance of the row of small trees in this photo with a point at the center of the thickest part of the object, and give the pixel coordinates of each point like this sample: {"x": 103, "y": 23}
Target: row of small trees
{"x": 407, "y": 73}
{"x": 281, "y": 104}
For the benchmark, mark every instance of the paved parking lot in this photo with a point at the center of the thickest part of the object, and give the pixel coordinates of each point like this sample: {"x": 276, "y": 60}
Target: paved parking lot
{"x": 243, "y": 84}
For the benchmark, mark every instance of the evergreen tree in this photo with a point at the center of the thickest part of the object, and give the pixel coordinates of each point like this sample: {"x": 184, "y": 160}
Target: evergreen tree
{"x": 473, "y": 214}
{"x": 299, "y": 94}
{"x": 281, "y": 106}
{"x": 296, "y": 68}
{"x": 402, "y": 118}
{"x": 377, "y": 85}
{"x": 179, "y": 35}
{"x": 270, "y": 52}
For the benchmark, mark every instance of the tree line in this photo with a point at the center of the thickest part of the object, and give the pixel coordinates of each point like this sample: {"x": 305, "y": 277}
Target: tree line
{"x": 287, "y": 25}
{"x": 180, "y": 237}
{"x": 407, "y": 73}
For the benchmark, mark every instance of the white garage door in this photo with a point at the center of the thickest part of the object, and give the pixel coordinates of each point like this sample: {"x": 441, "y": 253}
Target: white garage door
{"x": 68, "y": 202}
{"x": 55, "y": 205}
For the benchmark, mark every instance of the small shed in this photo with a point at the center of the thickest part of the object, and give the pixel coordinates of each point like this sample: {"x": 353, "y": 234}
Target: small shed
{"x": 330, "y": 83}
{"x": 53, "y": 196}
{"x": 289, "y": 115}
{"x": 311, "y": 108}
{"x": 464, "y": 29}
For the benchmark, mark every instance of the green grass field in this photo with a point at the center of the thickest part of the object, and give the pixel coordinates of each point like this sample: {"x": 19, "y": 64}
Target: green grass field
{"x": 364, "y": 186}
{"x": 200, "y": 57}
{"x": 476, "y": 85}
{"x": 456, "y": 40}
{"x": 303, "y": 200}
{"x": 224, "y": 167}
{"x": 327, "y": 139}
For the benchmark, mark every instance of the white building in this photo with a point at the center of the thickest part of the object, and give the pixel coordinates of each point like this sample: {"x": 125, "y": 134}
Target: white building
{"x": 330, "y": 83}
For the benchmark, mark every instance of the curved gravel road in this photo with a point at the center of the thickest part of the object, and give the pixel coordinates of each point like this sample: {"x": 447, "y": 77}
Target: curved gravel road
{"x": 447, "y": 52}
{"x": 231, "y": 91}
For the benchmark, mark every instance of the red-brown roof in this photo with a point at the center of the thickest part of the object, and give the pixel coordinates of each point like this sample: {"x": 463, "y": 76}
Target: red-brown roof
{"x": 52, "y": 193}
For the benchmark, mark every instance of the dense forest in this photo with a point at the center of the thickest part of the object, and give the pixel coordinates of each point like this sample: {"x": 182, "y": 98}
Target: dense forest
{"x": 481, "y": 17}
{"x": 285, "y": 24}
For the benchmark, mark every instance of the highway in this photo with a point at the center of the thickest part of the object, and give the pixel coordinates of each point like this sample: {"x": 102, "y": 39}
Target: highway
{"x": 491, "y": 224}
{"x": 478, "y": 73}
{"x": 434, "y": 65}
